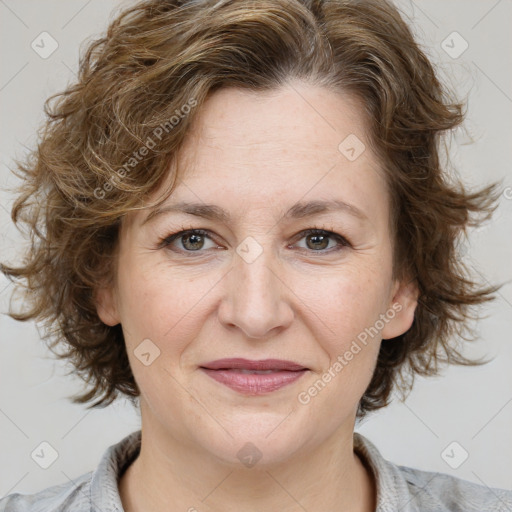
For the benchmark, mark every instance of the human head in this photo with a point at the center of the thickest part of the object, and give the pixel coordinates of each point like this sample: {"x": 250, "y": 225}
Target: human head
{"x": 170, "y": 53}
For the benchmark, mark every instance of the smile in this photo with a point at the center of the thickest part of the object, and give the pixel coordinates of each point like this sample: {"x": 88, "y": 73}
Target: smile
{"x": 254, "y": 382}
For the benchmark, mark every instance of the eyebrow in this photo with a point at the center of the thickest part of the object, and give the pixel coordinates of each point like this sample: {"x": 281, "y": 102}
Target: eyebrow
{"x": 299, "y": 210}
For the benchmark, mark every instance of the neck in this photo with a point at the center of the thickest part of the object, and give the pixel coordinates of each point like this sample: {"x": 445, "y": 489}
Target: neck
{"x": 328, "y": 478}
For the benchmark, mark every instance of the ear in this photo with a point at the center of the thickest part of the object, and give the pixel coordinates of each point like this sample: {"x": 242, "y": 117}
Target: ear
{"x": 403, "y": 303}
{"x": 106, "y": 305}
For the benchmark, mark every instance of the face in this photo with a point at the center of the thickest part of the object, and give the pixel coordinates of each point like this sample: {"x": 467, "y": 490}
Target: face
{"x": 255, "y": 283}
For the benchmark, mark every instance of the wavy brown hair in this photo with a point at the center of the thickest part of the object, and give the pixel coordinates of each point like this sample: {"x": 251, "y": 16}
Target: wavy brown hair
{"x": 109, "y": 139}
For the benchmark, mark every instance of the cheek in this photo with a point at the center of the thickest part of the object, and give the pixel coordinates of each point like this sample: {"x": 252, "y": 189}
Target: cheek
{"x": 168, "y": 308}
{"x": 161, "y": 303}
{"x": 344, "y": 304}
{"x": 347, "y": 311}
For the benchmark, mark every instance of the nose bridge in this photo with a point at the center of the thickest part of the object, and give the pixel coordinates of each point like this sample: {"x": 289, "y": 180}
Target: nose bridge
{"x": 256, "y": 299}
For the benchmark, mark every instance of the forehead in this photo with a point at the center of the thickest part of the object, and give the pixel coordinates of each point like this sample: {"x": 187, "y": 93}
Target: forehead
{"x": 251, "y": 150}
{"x": 294, "y": 119}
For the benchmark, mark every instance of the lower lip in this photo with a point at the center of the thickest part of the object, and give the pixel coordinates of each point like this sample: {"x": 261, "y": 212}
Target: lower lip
{"x": 254, "y": 383}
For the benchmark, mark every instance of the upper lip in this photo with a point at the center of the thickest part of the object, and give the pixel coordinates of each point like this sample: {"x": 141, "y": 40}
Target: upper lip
{"x": 247, "y": 364}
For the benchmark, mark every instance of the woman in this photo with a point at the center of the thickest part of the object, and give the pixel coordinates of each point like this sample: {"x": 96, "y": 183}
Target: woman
{"x": 240, "y": 221}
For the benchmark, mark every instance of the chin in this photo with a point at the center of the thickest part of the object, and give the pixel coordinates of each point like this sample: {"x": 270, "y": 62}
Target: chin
{"x": 255, "y": 441}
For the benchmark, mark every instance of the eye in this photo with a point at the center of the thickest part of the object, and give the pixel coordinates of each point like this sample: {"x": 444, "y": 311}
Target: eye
{"x": 190, "y": 240}
{"x": 195, "y": 240}
{"x": 318, "y": 240}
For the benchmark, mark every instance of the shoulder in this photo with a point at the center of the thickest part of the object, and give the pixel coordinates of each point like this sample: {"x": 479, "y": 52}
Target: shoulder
{"x": 96, "y": 490}
{"x": 444, "y": 492}
{"x": 411, "y": 490}
{"x": 69, "y": 496}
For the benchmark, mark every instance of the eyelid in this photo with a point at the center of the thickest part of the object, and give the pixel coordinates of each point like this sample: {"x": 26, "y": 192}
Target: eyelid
{"x": 343, "y": 241}
{"x": 167, "y": 240}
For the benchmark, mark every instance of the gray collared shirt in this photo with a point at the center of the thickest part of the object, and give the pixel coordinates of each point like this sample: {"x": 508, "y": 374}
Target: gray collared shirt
{"x": 399, "y": 488}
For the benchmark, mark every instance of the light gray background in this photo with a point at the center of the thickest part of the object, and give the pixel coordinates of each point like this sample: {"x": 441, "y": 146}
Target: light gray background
{"x": 472, "y": 406}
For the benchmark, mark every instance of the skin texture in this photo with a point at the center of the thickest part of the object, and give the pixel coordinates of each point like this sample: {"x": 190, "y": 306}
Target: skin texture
{"x": 256, "y": 155}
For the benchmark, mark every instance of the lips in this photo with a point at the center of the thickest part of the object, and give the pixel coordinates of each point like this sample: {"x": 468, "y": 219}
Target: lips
{"x": 247, "y": 364}
{"x": 252, "y": 377}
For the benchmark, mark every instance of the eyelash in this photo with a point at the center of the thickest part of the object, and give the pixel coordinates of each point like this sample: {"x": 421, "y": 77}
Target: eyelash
{"x": 343, "y": 242}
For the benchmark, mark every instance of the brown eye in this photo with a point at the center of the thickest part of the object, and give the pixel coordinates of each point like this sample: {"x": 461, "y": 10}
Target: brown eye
{"x": 318, "y": 240}
{"x": 192, "y": 241}
{"x": 188, "y": 241}
{"x": 315, "y": 241}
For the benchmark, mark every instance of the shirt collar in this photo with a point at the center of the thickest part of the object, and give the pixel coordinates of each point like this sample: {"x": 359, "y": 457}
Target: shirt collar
{"x": 393, "y": 492}
{"x": 392, "y": 489}
{"x": 105, "y": 480}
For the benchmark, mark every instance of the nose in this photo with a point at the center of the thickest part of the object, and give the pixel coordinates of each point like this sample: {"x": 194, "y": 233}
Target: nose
{"x": 257, "y": 298}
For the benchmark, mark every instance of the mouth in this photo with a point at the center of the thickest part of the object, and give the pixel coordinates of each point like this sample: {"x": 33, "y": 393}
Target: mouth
{"x": 252, "y": 377}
